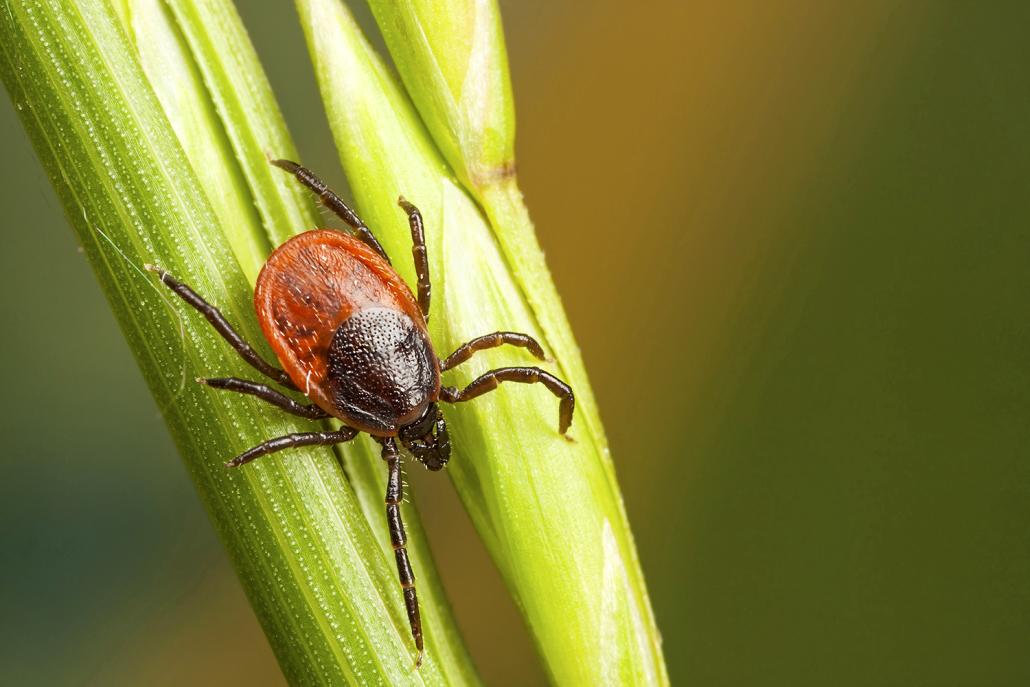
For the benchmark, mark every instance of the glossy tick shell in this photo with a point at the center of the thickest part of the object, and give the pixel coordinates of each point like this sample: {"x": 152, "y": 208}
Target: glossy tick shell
{"x": 348, "y": 331}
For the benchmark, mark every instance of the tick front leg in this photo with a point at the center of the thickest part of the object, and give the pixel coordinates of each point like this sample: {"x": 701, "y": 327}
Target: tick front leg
{"x": 266, "y": 393}
{"x": 418, "y": 253}
{"x": 394, "y": 496}
{"x": 465, "y": 351}
{"x": 523, "y": 375}
{"x": 222, "y": 326}
{"x": 332, "y": 201}
{"x": 293, "y": 441}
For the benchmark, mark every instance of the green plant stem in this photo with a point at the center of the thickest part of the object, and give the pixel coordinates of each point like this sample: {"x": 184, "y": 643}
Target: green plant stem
{"x": 548, "y": 510}
{"x": 320, "y": 583}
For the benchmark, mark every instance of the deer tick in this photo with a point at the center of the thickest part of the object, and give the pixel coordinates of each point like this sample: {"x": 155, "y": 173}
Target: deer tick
{"x": 352, "y": 337}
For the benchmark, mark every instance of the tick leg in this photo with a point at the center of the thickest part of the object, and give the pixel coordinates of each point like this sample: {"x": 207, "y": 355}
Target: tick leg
{"x": 418, "y": 252}
{"x": 494, "y": 340}
{"x": 222, "y": 326}
{"x": 394, "y": 496}
{"x": 523, "y": 375}
{"x": 334, "y": 203}
{"x": 266, "y": 393}
{"x": 293, "y": 441}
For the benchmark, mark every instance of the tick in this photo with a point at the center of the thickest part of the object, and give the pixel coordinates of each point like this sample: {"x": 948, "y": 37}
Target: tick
{"x": 350, "y": 335}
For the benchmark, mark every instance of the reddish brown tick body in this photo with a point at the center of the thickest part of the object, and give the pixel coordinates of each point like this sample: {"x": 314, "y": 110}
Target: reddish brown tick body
{"x": 352, "y": 337}
{"x": 331, "y": 307}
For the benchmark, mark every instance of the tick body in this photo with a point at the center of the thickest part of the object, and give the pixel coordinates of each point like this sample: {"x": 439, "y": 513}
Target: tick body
{"x": 351, "y": 336}
{"x": 348, "y": 332}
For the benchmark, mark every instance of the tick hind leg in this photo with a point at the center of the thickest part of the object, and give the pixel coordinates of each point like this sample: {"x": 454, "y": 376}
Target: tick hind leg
{"x": 222, "y": 326}
{"x": 524, "y": 375}
{"x": 394, "y": 496}
{"x": 296, "y": 440}
{"x": 334, "y": 203}
{"x": 266, "y": 393}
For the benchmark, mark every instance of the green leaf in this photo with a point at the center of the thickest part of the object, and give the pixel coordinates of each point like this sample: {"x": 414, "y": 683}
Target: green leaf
{"x": 179, "y": 86}
{"x": 549, "y": 511}
{"x": 153, "y": 126}
{"x": 240, "y": 92}
{"x": 452, "y": 59}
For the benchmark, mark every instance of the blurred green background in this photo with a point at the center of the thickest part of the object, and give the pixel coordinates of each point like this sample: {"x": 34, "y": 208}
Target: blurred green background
{"x": 793, "y": 239}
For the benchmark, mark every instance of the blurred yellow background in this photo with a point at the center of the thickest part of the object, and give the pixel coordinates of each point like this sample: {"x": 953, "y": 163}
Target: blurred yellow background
{"x": 793, "y": 239}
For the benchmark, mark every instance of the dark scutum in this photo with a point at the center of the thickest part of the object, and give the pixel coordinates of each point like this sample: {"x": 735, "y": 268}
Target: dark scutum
{"x": 381, "y": 368}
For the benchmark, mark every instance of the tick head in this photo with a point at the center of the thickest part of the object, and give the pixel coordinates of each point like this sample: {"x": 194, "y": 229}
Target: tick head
{"x": 427, "y": 438}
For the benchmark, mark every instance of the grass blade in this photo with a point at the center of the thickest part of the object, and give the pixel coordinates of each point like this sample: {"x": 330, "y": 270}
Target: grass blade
{"x": 108, "y": 129}
{"x": 549, "y": 511}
